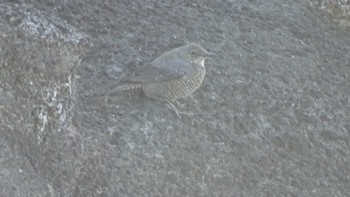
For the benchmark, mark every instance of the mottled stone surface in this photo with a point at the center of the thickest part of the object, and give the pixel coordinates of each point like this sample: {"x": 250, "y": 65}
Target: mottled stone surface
{"x": 271, "y": 119}
{"x": 337, "y": 11}
{"x": 38, "y": 58}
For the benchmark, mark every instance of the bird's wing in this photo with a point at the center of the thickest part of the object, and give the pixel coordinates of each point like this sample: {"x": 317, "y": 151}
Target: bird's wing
{"x": 166, "y": 72}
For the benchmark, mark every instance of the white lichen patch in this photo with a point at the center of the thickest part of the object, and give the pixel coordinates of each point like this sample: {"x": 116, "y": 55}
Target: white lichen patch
{"x": 43, "y": 27}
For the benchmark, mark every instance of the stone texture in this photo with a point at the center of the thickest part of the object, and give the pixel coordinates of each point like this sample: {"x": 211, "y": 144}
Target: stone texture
{"x": 337, "y": 10}
{"x": 38, "y": 56}
{"x": 272, "y": 117}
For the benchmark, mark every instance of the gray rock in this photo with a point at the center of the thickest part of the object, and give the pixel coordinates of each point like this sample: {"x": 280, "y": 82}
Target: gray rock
{"x": 38, "y": 58}
{"x": 271, "y": 118}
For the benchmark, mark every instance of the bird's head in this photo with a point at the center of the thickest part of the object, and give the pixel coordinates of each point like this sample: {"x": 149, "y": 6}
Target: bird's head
{"x": 195, "y": 53}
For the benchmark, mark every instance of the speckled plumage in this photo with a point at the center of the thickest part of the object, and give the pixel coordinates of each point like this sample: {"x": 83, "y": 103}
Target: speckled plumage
{"x": 175, "y": 74}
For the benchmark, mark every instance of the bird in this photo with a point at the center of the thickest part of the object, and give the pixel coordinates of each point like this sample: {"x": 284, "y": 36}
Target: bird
{"x": 173, "y": 75}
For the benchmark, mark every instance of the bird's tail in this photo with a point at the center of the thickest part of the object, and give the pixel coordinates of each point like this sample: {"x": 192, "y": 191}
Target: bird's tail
{"x": 125, "y": 87}
{"x": 114, "y": 89}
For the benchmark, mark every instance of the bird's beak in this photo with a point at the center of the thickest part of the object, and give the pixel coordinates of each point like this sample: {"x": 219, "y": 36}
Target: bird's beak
{"x": 208, "y": 54}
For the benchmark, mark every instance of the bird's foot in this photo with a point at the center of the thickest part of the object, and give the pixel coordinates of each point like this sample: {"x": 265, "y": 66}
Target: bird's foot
{"x": 177, "y": 112}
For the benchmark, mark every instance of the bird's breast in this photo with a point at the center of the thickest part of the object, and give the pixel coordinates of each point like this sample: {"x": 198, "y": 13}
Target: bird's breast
{"x": 177, "y": 88}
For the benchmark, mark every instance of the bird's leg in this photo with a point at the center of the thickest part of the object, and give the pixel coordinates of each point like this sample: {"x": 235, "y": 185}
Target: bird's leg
{"x": 177, "y": 111}
{"x": 181, "y": 105}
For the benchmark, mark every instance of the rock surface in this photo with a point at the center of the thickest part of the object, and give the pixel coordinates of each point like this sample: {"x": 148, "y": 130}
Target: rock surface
{"x": 271, "y": 119}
